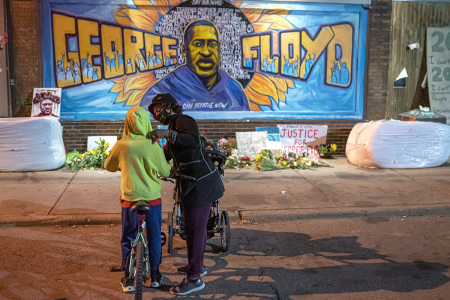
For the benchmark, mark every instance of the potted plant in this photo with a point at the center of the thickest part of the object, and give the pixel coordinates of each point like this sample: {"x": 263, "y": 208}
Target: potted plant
{"x": 326, "y": 150}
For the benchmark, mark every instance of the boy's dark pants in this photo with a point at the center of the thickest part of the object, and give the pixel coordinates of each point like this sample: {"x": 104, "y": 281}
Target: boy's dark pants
{"x": 195, "y": 222}
{"x": 129, "y": 232}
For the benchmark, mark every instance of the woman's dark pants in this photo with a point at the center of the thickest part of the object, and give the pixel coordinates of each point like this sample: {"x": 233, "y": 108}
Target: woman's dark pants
{"x": 195, "y": 222}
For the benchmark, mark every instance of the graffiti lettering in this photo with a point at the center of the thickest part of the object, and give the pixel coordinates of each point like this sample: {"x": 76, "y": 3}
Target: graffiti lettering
{"x": 86, "y": 51}
{"x": 299, "y": 52}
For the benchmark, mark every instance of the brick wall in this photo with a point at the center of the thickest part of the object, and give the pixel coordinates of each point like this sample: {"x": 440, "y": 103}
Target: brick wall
{"x": 378, "y": 58}
{"x": 26, "y": 61}
{"x": 75, "y": 133}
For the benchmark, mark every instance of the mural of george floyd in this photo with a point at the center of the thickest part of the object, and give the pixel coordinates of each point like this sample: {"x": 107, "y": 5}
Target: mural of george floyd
{"x": 219, "y": 59}
{"x": 233, "y": 65}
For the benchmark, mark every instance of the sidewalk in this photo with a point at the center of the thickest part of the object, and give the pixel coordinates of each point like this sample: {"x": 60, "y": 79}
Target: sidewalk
{"x": 344, "y": 190}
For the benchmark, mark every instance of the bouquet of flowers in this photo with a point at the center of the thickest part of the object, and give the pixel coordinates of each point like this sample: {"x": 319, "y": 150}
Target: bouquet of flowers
{"x": 264, "y": 161}
{"x": 234, "y": 162}
{"x": 91, "y": 159}
{"x": 330, "y": 148}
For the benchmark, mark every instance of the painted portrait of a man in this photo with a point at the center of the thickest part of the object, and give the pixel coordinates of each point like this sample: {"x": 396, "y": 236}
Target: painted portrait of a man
{"x": 45, "y": 104}
{"x": 200, "y": 84}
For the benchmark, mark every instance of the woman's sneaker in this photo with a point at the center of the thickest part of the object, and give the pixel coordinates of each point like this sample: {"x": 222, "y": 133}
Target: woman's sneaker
{"x": 188, "y": 286}
{"x": 183, "y": 270}
{"x": 127, "y": 284}
{"x": 156, "y": 279}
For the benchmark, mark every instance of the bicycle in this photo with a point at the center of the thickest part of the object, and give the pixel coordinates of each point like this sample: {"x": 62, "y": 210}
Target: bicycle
{"x": 139, "y": 266}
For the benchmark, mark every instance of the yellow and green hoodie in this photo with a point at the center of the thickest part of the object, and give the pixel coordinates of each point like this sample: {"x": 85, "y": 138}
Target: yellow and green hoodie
{"x": 139, "y": 160}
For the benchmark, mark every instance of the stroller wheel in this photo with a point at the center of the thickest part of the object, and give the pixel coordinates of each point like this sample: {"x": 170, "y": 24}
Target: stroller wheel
{"x": 170, "y": 233}
{"x": 225, "y": 231}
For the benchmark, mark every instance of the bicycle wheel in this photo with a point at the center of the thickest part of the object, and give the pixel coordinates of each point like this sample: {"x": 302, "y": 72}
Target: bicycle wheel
{"x": 170, "y": 234}
{"x": 225, "y": 236}
{"x": 139, "y": 271}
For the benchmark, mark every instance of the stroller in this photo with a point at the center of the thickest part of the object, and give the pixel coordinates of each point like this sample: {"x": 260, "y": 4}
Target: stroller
{"x": 218, "y": 221}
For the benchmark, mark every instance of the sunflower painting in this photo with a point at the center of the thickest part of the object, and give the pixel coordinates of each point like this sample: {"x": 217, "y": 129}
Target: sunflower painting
{"x": 219, "y": 59}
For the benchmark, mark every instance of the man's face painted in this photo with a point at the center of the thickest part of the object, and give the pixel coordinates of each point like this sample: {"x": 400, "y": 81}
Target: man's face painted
{"x": 46, "y": 107}
{"x": 203, "y": 51}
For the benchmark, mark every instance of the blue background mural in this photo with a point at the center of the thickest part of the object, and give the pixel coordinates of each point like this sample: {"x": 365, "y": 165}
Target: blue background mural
{"x": 333, "y": 34}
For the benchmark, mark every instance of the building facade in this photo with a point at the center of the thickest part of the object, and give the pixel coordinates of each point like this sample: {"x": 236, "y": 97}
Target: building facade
{"x": 285, "y": 62}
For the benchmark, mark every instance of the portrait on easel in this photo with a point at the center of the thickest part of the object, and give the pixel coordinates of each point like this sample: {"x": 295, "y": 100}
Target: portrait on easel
{"x": 46, "y": 102}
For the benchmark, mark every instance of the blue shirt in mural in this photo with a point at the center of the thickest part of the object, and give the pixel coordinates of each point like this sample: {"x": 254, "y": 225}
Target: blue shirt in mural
{"x": 185, "y": 86}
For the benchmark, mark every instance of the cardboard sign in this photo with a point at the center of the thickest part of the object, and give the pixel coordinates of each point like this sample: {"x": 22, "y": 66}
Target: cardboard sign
{"x": 91, "y": 143}
{"x": 302, "y": 138}
{"x": 273, "y": 135}
{"x": 438, "y": 68}
{"x": 251, "y": 143}
{"x": 46, "y": 102}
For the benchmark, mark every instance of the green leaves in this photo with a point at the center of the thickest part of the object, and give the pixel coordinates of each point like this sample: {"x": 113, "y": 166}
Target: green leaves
{"x": 91, "y": 159}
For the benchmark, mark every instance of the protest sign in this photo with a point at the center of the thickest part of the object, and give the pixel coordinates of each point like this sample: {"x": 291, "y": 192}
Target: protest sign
{"x": 251, "y": 143}
{"x": 302, "y": 138}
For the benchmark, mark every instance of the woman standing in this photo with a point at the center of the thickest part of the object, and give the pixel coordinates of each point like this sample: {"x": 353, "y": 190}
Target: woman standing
{"x": 200, "y": 181}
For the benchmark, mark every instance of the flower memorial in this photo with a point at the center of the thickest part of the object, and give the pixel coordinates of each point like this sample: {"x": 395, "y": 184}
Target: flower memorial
{"x": 330, "y": 148}
{"x": 234, "y": 162}
{"x": 265, "y": 161}
{"x": 91, "y": 159}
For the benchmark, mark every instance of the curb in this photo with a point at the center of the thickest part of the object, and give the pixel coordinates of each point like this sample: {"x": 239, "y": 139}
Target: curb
{"x": 315, "y": 214}
{"x": 243, "y": 216}
{"x": 66, "y": 220}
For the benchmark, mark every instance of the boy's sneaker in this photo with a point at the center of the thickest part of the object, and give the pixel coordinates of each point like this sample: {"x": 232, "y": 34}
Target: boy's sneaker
{"x": 188, "y": 286}
{"x": 156, "y": 279}
{"x": 127, "y": 284}
{"x": 183, "y": 270}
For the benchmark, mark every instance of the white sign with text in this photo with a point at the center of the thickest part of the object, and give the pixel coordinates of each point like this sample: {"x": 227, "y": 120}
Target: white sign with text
{"x": 438, "y": 68}
{"x": 302, "y": 138}
{"x": 251, "y": 143}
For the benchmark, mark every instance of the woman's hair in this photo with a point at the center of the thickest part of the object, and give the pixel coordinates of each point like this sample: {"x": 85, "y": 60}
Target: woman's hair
{"x": 176, "y": 108}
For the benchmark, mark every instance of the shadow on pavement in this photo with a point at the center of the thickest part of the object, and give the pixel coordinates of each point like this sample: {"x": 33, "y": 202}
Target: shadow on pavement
{"x": 268, "y": 265}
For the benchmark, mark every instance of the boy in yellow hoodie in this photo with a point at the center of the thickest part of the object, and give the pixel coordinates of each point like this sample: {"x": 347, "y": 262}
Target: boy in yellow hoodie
{"x": 140, "y": 162}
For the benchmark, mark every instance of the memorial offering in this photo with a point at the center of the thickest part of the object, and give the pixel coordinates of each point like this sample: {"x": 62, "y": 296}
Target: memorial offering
{"x": 46, "y": 102}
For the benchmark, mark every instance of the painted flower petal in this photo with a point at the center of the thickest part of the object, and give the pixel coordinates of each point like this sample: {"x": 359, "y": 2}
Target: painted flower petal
{"x": 237, "y": 3}
{"x": 252, "y": 12}
{"x": 162, "y": 6}
{"x": 256, "y": 97}
{"x": 261, "y": 27}
{"x": 263, "y": 85}
{"x": 280, "y": 83}
{"x": 277, "y": 22}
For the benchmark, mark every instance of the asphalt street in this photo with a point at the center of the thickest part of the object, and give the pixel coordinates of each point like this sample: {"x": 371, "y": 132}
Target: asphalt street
{"x": 357, "y": 258}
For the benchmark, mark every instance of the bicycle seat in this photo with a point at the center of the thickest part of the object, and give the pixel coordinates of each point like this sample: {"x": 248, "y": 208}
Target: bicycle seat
{"x": 140, "y": 206}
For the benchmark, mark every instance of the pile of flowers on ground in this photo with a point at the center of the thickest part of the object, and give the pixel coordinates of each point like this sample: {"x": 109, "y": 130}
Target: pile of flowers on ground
{"x": 234, "y": 162}
{"x": 91, "y": 159}
{"x": 330, "y": 148}
{"x": 265, "y": 161}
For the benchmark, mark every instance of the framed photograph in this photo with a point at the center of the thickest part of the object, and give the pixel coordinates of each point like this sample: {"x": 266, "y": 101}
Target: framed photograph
{"x": 46, "y": 102}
